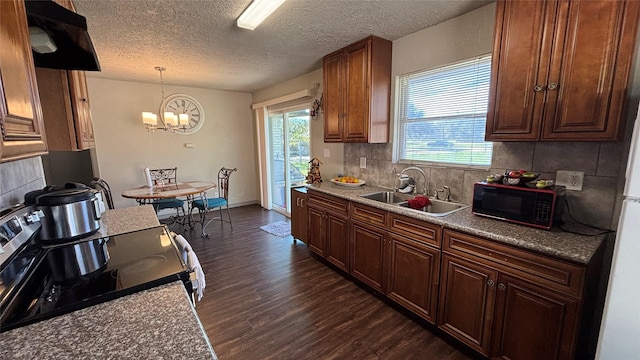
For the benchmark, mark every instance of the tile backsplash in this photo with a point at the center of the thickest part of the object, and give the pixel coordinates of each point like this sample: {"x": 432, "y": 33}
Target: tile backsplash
{"x": 600, "y": 162}
{"x": 18, "y": 178}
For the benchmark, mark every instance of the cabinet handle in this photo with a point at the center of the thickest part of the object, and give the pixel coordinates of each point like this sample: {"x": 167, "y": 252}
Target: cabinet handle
{"x": 298, "y": 201}
{"x": 501, "y": 286}
{"x": 301, "y": 202}
{"x": 553, "y": 86}
{"x": 537, "y": 88}
{"x": 490, "y": 282}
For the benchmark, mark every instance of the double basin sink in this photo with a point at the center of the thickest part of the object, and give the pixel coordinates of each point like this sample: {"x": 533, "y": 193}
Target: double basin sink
{"x": 436, "y": 208}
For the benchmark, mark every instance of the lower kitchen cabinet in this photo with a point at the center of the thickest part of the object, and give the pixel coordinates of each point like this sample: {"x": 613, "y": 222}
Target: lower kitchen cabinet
{"x": 328, "y": 228}
{"x": 414, "y": 270}
{"x": 495, "y": 300}
{"x": 368, "y": 247}
{"x": 299, "y": 213}
{"x": 466, "y": 302}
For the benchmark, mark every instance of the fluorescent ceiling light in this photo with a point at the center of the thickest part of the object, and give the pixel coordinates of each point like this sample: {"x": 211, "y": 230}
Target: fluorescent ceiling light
{"x": 257, "y": 12}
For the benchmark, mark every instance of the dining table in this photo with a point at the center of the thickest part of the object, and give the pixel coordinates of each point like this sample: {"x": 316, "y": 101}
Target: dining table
{"x": 189, "y": 189}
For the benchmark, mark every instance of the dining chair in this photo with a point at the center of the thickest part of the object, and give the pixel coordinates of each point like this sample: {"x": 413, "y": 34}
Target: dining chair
{"x": 204, "y": 204}
{"x": 102, "y": 186}
{"x": 165, "y": 177}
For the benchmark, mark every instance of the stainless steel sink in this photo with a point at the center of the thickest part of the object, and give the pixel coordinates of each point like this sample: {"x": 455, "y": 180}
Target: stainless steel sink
{"x": 389, "y": 197}
{"x": 436, "y": 208}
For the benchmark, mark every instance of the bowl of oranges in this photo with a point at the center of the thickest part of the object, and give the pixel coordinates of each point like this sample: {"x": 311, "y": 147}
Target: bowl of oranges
{"x": 349, "y": 181}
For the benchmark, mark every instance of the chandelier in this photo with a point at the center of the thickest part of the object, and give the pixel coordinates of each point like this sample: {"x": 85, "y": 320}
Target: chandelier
{"x": 171, "y": 121}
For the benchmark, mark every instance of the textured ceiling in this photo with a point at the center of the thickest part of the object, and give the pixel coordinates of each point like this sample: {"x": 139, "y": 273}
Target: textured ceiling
{"x": 200, "y": 45}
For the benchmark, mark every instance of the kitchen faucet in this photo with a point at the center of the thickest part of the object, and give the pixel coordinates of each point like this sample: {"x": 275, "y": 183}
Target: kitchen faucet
{"x": 424, "y": 176}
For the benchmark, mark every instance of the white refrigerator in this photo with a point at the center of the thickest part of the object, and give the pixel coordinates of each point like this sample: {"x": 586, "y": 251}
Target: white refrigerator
{"x": 620, "y": 330}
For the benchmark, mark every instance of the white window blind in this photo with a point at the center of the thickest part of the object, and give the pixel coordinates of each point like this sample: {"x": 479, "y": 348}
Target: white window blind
{"x": 443, "y": 114}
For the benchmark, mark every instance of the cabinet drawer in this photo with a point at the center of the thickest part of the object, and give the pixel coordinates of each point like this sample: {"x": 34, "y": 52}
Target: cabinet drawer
{"x": 369, "y": 215}
{"x": 415, "y": 229}
{"x": 553, "y": 273}
{"x": 328, "y": 202}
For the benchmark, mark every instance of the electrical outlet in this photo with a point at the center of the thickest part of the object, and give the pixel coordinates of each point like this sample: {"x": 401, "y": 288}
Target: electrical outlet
{"x": 571, "y": 179}
{"x": 363, "y": 163}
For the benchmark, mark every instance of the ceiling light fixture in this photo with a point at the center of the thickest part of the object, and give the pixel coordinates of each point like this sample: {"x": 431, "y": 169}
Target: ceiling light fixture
{"x": 257, "y": 11}
{"x": 172, "y": 122}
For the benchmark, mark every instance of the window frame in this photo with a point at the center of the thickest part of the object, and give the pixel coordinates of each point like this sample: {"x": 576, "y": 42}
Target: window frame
{"x": 397, "y": 123}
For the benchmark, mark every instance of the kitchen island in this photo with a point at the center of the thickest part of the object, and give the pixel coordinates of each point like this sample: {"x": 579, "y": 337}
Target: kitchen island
{"x": 160, "y": 322}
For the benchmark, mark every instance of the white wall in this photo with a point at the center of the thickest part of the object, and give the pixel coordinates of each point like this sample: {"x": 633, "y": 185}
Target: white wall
{"x": 332, "y": 165}
{"x": 124, "y": 148}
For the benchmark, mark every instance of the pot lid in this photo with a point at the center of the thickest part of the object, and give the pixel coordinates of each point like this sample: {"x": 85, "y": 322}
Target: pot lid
{"x": 65, "y": 196}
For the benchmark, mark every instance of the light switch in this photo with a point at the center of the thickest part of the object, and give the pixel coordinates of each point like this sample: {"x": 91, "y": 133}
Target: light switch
{"x": 327, "y": 152}
{"x": 189, "y": 146}
{"x": 363, "y": 162}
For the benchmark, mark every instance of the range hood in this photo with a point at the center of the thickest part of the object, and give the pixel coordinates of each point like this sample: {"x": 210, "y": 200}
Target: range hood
{"x": 59, "y": 37}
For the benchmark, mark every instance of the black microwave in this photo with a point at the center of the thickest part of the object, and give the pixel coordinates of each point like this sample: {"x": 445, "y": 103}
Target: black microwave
{"x": 519, "y": 204}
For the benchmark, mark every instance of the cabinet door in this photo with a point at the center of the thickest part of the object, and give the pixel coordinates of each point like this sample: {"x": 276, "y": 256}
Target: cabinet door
{"x": 356, "y": 96}
{"x": 332, "y": 98}
{"x": 467, "y": 301}
{"x": 298, "y": 215}
{"x": 368, "y": 245}
{"x": 316, "y": 233}
{"x": 21, "y": 124}
{"x": 414, "y": 270}
{"x": 532, "y": 322}
{"x": 587, "y": 84}
{"x": 81, "y": 109}
{"x": 337, "y": 240}
{"x": 519, "y": 69}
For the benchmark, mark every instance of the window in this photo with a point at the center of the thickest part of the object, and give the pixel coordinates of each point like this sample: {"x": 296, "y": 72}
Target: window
{"x": 443, "y": 114}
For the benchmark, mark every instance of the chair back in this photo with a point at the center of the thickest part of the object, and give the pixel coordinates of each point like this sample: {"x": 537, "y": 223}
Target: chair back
{"x": 223, "y": 181}
{"x": 164, "y": 176}
{"x": 102, "y": 186}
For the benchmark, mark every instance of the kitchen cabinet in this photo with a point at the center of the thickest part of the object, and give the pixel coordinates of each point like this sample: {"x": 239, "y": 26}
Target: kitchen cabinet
{"x": 21, "y": 127}
{"x": 414, "y": 265}
{"x": 560, "y": 69}
{"x": 299, "y": 214}
{"x": 509, "y": 303}
{"x": 328, "y": 226}
{"x": 357, "y": 89}
{"x": 66, "y": 109}
{"x": 368, "y": 248}
{"x": 65, "y": 106}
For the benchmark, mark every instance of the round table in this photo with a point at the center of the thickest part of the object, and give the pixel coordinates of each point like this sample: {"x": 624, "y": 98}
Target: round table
{"x": 144, "y": 195}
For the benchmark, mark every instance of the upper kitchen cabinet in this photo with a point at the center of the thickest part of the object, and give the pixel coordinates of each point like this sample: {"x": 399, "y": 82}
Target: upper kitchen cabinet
{"x": 357, "y": 89}
{"x": 65, "y": 106}
{"x": 560, "y": 69}
{"x": 66, "y": 110}
{"x": 21, "y": 125}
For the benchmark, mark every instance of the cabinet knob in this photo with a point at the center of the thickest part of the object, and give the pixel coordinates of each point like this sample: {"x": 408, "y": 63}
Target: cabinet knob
{"x": 553, "y": 86}
{"x": 83, "y": 99}
{"x": 490, "y": 282}
{"x": 501, "y": 287}
{"x": 538, "y": 88}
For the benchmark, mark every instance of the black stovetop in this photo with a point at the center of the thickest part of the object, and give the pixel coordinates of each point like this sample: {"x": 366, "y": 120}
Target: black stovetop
{"x": 138, "y": 261}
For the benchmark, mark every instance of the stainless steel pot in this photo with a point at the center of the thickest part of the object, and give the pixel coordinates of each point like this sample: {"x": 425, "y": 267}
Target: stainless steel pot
{"x": 80, "y": 259}
{"x": 69, "y": 213}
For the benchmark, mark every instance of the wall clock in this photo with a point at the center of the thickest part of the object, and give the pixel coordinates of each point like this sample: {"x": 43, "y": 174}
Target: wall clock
{"x": 184, "y": 104}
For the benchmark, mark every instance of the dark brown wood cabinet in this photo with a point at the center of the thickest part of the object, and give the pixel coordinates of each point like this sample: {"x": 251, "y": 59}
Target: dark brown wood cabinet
{"x": 65, "y": 106}
{"x": 368, "y": 254}
{"x": 560, "y": 69}
{"x": 357, "y": 92}
{"x": 414, "y": 265}
{"x": 21, "y": 129}
{"x": 299, "y": 214}
{"x": 66, "y": 109}
{"x": 509, "y": 303}
{"x": 328, "y": 228}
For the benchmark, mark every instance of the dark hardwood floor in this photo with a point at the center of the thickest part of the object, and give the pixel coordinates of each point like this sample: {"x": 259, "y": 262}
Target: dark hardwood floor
{"x": 268, "y": 298}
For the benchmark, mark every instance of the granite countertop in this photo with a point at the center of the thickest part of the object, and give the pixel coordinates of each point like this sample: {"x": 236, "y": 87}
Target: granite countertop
{"x": 120, "y": 221}
{"x": 158, "y": 323}
{"x": 557, "y": 243}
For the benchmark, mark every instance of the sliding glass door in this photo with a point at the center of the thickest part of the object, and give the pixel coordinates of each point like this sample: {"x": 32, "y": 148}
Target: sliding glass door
{"x": 289, "y": 151}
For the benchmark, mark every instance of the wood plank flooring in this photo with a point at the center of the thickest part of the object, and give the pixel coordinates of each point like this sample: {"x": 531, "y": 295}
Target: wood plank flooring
{"x": 268, "y": 298}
